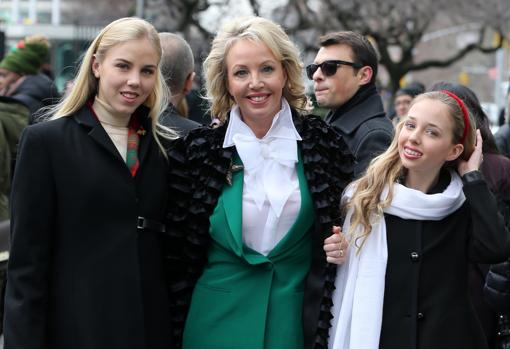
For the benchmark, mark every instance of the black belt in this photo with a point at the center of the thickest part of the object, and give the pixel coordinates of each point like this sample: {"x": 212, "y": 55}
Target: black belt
{"x": 150, "y": 224}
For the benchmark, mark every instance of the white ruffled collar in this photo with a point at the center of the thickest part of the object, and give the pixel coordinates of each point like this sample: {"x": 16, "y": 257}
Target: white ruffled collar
{"x": 282, "y": 126}
{"x": 269, "y": 162}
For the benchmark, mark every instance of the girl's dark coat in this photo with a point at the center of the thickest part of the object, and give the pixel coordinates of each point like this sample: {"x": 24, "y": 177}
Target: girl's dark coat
{"x": 426, "y": 301}
{"x": 80, "y": 274}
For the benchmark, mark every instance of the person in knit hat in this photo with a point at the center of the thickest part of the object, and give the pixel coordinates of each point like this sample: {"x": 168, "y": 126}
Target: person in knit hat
{"x": 403, "y": 99}
{"x": 28, "y": 56}
{"x": 20, "y": 76}
{"x": 25, "y": 58}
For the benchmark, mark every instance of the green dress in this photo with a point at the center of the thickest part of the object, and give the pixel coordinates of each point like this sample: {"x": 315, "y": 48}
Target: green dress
{"x": 245, "y": 299}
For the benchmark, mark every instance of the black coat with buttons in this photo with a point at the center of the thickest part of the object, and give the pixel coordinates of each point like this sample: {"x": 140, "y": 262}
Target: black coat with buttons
{"x": 80, "y": 274}
{"x": 426, "y": 300}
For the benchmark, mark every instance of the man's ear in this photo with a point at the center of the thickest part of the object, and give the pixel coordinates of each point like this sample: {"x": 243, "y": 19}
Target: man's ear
{"x": 365, "y": 75}
{"x": 188, "y": 83}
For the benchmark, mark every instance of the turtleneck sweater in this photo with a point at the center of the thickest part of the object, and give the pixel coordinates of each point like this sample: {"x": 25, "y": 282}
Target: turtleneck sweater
{"x": 115, "y": 124}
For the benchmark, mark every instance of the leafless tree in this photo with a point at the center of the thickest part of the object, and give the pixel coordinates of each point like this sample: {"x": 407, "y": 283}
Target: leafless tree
{"x": 184, "y": 16}
{"x": 97, "y": 12}
{"x": 397, "y": 27}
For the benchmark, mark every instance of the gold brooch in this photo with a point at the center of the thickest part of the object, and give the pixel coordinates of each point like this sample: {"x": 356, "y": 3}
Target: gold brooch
{"x": 141, "y": 131}
{"x": 232, "y": 168}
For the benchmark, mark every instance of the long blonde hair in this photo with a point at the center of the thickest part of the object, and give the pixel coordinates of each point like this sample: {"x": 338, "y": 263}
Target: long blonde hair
{"x": 386, "y": 169}
{"x": 260, "y": 30}
{"x": 86, "y": 84}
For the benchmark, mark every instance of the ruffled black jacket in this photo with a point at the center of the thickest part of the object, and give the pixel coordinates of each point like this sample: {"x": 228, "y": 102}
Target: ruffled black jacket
{"x": 199, "y": 168}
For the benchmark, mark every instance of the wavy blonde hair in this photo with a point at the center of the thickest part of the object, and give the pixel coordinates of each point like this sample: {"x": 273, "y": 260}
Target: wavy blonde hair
{"x": 259, "y": 30}
{"x": 386, "y": 169}
{"x": 86, "y": 84}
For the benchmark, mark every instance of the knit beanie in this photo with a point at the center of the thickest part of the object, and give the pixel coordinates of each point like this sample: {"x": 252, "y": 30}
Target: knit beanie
{"x": 28, "y": 55}
{"x": 413, "y": 89}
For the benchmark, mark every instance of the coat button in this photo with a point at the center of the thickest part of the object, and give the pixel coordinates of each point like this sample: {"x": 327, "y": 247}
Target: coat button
{"x": 415, "y": 256}
{"x": 420, "y": 316}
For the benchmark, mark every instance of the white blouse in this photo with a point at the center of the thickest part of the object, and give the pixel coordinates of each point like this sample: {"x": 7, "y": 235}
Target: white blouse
{"x": 271, "y": 195}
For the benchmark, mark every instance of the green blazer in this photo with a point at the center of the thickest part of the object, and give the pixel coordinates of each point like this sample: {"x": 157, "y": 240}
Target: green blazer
{"x": 245, "y": 299}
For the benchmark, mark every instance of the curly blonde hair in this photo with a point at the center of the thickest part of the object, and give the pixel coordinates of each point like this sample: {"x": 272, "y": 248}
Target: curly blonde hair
{"x": 260, "y": 30}
{"x": 386, "y": 169}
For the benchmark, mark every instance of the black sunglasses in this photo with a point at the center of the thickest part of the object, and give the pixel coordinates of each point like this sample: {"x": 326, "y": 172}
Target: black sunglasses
{"x": 329, "y": 67}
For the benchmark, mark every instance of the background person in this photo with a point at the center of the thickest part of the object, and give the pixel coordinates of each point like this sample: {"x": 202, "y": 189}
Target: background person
{"x": 20, "y": 76}
{"x": 502, "y": 136}
{"x": 403, "y": 98}
{"x": 177, "y": 66}
{"x": 344, "y": 73}
{"x": 13, "y": 119}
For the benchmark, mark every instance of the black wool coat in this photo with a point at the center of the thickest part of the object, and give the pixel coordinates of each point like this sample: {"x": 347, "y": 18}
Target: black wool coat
{"x": 80, "y": 274}
{"x": 364, "y": 126}
{"x": 502, "y": 137}
{"x": 199, "y": 168}
{"x": 172, "y": 119}
{"x": 426, "y": 301}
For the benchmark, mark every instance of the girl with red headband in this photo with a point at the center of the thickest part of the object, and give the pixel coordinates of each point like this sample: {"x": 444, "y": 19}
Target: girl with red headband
{"x": 415, "y": 220}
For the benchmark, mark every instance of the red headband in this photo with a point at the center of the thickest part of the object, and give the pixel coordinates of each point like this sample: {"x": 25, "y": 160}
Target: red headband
{"x": 465, "y": 113}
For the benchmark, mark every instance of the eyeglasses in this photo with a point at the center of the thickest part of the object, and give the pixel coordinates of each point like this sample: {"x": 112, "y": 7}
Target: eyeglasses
{"x": 329, "y": 67}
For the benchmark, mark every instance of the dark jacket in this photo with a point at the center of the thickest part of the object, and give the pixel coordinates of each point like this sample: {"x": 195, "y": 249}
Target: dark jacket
{"x": 497, "y": 283}
{"x": 172, "y": 119}
{"x": 199, "y": 168}
{"x": 13, "y": 119}
{"x": 363, "y": 125}
{"x": 497, "y": 287}
{"x": 426, "y": 300}
{"x": 496, "y": 170}
{"x": 81, "y": 274}
{"x": 502, "y": 137}
{"x": 36, "y": 91}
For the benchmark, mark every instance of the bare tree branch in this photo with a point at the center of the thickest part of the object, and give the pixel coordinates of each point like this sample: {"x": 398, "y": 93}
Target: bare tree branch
{"x": 255, "y": 6}
{"x": 396, "y": 27}
{"x": 434, "y": 63}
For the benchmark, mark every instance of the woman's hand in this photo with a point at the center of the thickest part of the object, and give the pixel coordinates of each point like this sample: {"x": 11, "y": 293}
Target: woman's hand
{"x": 475, "y": 160}
{"x": 336, "y": 246}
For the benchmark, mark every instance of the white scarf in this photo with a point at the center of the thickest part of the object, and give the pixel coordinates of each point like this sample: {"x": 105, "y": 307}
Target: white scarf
{"x": 359, "y": 294}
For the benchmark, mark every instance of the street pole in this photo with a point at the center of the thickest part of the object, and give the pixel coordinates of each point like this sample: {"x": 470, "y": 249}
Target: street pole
{"x": 499, "y": 98}
{"x": 139, "y": 8}
{"x": 55, "y": 12}
{"x": 15, "y": 11}
{"x": 32, "y": 11}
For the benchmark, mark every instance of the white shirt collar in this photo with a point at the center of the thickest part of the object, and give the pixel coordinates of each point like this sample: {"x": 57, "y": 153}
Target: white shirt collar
{"x": 282, "y": 126}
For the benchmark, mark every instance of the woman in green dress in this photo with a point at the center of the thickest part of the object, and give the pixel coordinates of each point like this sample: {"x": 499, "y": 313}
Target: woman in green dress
{"x": 256, "y": 197}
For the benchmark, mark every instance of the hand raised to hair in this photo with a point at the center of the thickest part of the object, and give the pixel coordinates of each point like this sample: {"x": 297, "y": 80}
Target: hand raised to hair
{"x": 336, "y": 247}
{"x": 475, "y": 160}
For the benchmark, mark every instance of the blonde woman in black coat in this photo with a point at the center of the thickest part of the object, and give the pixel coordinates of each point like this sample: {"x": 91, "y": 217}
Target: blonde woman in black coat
{"x": 416, "y": 219}
{"x": 86, "y": 269}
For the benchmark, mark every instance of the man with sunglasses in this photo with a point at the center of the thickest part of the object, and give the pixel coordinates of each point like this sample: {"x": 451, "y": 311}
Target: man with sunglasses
{"x": 344, "y": 73}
